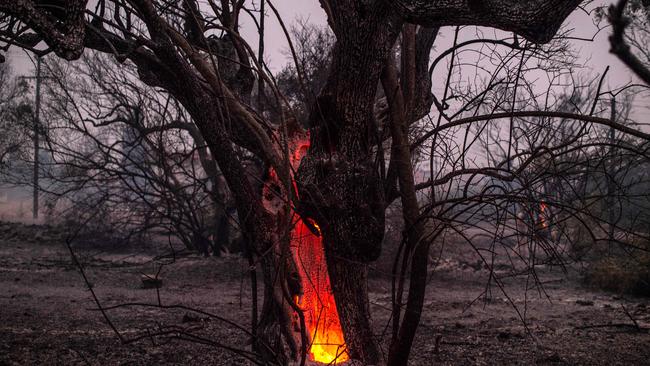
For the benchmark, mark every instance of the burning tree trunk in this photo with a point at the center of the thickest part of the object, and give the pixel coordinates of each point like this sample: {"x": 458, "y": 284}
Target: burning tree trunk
{"x": 323, "y": 326}
{"x": 339, "y": 183}
{"x": 313, "y": 294}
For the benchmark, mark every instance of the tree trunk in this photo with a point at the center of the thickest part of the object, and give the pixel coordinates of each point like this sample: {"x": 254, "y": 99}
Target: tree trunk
{"x": 339, "y": 183}
{"x": 349, "y": 282}
{"x": 346, "y": 200}
{"x": 416, "y": 251}
{"x": 277, "y": 342}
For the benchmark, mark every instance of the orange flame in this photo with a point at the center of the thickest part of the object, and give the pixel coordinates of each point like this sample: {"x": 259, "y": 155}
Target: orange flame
{"x": 317, "y": 302}
{"x": 542, "y": 215}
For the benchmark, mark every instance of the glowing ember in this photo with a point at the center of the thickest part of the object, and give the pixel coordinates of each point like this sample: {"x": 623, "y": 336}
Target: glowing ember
{"x": 319, "y": 307}
{"x": 542, "y": 215}
{"x": 317, "y": 302}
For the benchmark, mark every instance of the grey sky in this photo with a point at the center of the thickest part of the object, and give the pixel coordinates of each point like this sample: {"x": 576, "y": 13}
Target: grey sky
{"x": 594, "y": 55}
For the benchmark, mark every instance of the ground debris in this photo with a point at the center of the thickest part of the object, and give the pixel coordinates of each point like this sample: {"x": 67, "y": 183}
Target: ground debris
{"x": 585, "y": 302}
{"x": 150, "y": 281}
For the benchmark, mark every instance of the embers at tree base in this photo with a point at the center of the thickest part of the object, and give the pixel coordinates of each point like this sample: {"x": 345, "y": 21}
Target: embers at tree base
{"x": 317, "y": 301}
{"x": 322, "y": 323}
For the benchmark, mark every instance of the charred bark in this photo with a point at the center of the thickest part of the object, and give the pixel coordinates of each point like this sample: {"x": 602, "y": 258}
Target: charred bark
{"x": 276, "y": 341}
{"x": 350, "y": 285}
{"x": 339, "y": 182}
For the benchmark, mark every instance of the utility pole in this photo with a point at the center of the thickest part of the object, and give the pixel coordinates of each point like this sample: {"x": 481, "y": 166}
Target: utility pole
{"x": 260, "y": 61}
{"x": 37, "y": 130}
{"x": 611, "y": 170}
{"x": 37, "y": 134}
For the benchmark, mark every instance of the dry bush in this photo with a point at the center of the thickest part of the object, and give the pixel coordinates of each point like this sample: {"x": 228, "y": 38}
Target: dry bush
{"x": 626, "y": 272}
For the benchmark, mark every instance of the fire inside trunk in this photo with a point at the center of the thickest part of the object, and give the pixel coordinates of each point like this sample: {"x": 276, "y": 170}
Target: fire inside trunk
{"x": 542, "y": 215}
{"x": 317, "y": 301}
{"x": 327, "y": 344}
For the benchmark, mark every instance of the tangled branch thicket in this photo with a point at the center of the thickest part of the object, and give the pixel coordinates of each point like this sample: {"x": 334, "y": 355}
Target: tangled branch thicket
{"x": 170, "y": 124}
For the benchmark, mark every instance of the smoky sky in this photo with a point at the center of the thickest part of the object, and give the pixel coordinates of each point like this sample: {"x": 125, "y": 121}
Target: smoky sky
{"x": 593, "y": 56}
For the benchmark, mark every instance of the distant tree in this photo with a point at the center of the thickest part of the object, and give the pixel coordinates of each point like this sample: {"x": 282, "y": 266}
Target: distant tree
{"x": 16, "y": 118}
{"x": 302, "y": 81}
{"x": 120, "y": 146}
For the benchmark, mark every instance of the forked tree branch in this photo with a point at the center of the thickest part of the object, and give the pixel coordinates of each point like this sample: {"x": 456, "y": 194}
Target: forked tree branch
{"x": 619, "y": 46}
{"x": 65, "y": 36}
{"x": 536, "y": 20}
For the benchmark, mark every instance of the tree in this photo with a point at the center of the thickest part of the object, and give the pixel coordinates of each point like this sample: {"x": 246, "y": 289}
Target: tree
{"x": 342, "y": 184}
{"x": 15, "y": 118}
{"x": 132, "y": 151}
{"x": 631, "y": 49}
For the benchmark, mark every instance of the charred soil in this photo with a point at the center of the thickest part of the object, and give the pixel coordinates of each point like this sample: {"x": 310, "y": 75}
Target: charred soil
{"x": 47, "y": 314}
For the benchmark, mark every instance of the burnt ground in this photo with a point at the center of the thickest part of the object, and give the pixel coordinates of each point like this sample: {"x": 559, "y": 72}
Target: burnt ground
{"x": 47, "y": 315}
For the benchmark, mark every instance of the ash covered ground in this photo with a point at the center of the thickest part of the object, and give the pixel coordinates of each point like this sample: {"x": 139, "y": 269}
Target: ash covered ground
{"x": 48, "y": 316}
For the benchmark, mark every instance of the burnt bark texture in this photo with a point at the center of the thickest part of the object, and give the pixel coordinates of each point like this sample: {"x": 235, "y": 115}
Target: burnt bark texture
{"x": 536, "y": 20}
{"x": 340, "y": 182}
